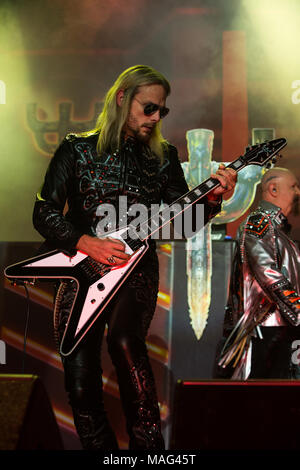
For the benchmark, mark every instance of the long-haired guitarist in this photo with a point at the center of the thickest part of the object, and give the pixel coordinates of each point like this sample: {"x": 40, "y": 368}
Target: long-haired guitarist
{"x": 125, "y": 155}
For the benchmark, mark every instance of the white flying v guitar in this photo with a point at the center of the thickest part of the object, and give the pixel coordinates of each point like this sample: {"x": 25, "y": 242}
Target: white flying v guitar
{"x": 97, "y": 283}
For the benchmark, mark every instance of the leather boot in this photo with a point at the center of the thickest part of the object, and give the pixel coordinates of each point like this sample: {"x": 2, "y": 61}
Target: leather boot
{"x": 94, "y": 430}
{"x": 140, "y": 406}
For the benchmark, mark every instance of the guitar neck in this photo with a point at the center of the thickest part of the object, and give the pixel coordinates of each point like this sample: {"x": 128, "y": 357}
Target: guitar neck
{"x": 160, "y": 219}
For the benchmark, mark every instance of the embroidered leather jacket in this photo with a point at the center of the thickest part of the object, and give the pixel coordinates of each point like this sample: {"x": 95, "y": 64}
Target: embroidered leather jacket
{"x": 265, "y": 281}
{"x": 79, "y": 177}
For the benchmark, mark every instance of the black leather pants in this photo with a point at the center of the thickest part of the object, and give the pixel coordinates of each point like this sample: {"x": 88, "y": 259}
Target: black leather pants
{"x": 128, "y": 318}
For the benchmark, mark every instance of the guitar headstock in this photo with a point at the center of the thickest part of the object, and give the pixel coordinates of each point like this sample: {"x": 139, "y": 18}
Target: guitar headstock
{"x": 261, "y": 154}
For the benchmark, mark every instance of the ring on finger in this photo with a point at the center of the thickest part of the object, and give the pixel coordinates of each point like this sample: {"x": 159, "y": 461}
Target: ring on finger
{"x": 111, "y": 259}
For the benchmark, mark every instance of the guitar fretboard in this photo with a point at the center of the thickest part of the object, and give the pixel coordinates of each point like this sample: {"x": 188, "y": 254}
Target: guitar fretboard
{"x": 169, "y": 213}
{"x": 153, "y": 224}
{"x": 258, "y": 154}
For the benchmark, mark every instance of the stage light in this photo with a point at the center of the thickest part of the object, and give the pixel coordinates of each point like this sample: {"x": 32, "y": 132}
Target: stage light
{"x": 276, "y": 24}
{"x": 16, "y": 169}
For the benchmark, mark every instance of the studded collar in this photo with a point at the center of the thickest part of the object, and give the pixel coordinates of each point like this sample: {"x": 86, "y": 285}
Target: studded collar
{"x": 274, "y": 212}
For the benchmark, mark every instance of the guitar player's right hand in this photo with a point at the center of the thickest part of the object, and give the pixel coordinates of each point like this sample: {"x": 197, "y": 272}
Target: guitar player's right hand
{"x": 103, "y": 249}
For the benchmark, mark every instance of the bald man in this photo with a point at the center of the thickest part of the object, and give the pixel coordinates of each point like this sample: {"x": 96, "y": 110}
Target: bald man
{"x": 263, "y": 311}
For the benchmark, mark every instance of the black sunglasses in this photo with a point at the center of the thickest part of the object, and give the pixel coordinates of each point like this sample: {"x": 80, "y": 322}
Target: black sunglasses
{"x": 151, "y": 108}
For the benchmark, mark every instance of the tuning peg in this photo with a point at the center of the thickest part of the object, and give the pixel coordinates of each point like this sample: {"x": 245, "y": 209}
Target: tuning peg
{"x": 268, "y": 165}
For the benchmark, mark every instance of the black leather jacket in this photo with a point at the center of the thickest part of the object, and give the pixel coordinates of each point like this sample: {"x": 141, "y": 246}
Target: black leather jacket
{"x": 79, "y": 177}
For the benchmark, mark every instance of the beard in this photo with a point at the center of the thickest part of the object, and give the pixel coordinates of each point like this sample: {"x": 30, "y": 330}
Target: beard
{"x": 144, "y": 138}
{"x": 137, "y": 130}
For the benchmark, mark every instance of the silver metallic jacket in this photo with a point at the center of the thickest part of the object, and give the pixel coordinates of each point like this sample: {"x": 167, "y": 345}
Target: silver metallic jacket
{"x": 265, "y": 283}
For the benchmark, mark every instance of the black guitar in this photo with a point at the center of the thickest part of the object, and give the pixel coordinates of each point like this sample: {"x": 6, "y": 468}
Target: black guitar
{"x": 97, "y": 283}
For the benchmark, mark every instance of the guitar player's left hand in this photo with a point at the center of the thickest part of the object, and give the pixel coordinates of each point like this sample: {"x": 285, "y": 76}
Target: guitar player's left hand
{"x": 227, "y": 178}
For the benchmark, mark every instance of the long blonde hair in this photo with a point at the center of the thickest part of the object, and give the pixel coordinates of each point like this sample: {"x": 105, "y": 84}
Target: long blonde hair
{"x": 111, "y": 120}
